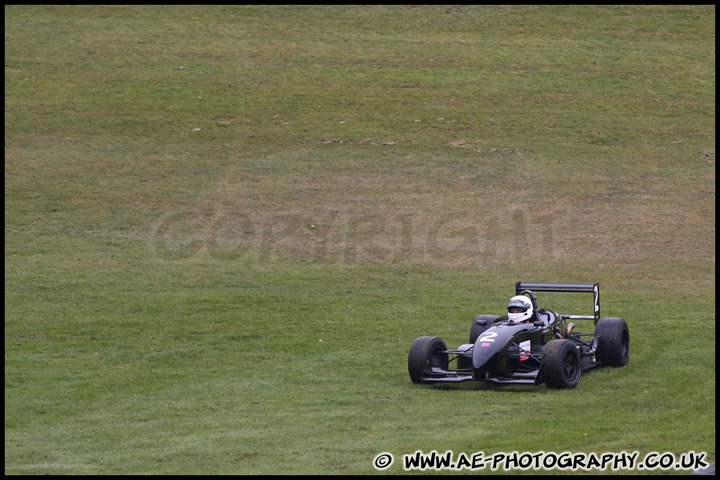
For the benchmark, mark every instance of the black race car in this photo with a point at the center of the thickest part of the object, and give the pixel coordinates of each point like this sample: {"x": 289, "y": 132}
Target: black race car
{"x": 542, "y": 348}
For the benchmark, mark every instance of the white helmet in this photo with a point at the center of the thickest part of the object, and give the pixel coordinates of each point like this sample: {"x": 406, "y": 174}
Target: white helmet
{"x": 520, "y": 309}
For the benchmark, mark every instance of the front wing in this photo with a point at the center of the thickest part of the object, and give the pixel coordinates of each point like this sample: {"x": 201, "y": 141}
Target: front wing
{"x": 434, "y": 374}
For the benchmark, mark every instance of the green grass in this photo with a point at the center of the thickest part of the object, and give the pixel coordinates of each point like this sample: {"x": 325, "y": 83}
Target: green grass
{"x": 225, "y": 226}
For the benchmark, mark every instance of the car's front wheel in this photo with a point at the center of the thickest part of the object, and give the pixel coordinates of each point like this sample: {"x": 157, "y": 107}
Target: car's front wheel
{"x": 425, "y": 353}
{"x": 561, "y": 364}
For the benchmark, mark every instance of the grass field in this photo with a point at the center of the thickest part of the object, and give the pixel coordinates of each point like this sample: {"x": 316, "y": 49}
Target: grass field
{"x": 225, "y": 226}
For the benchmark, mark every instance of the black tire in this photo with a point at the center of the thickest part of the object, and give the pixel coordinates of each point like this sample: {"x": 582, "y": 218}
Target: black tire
{"x": 561, "y": 364}
{"x": 613, "y": 346}
{"x": 426, "y": 351}
{"x": 476, "y": 330}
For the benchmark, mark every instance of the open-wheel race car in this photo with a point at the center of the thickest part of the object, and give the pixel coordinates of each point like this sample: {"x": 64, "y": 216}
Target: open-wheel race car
{"x": 529, "y": 345}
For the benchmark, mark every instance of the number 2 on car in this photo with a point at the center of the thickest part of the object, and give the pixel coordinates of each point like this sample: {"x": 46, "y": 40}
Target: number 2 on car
{"x": 487, "y": 337}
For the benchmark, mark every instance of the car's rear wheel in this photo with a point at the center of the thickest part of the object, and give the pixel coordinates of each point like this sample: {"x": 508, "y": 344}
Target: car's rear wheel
{"x": 486, "y": 321}
{"x": 613, "y": 345}
{"x": 561, "y": 364}
{"x": 425, "y": 353}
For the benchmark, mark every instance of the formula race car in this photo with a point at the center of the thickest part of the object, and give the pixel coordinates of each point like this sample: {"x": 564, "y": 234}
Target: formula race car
{"x": 527, "y": 346}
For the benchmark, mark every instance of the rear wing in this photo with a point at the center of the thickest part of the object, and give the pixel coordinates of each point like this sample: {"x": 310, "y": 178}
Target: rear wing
{"x": 593, "y": 288}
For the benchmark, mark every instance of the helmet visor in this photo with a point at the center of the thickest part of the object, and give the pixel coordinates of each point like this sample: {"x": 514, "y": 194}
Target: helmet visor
{"x": 517, "y": 307}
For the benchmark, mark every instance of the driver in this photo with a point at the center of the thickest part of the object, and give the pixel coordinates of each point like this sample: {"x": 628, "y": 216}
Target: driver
{"x": 520, "y": 310}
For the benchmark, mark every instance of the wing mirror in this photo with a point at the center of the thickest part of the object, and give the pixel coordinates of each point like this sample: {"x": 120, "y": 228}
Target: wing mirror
{"x": 481, "y": 322}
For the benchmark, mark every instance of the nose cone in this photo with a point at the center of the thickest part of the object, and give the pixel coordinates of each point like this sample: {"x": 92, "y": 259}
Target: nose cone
{"x": 484, "y": 350}
{"x": 493, "y": 341}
